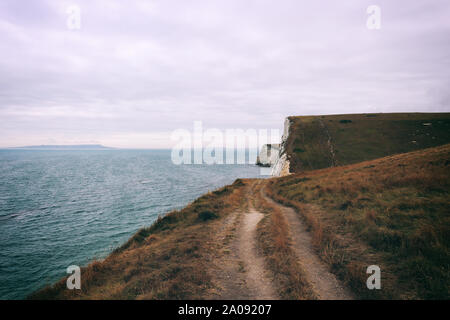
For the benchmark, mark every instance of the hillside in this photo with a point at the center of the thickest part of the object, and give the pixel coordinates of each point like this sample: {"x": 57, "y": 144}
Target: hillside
{"x": 315, "y": 232}
{"x": 309, "y": 235}
{"x": 165, "y": 261}
{"x": 317, "y": 142}
{"x": 391, "y": 212}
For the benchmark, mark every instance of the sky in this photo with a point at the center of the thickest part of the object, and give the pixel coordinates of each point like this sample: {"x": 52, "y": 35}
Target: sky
{"x": 131, "y": 72}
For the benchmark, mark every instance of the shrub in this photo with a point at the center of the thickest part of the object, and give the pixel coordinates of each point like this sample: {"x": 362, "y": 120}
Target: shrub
{"x": 207, "y": 215}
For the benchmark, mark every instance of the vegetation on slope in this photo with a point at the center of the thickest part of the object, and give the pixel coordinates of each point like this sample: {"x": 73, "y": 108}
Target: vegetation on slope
{"x": 165, "y": 261}
{"x": 317, "y": 142}
{"x": 391, "y": 212}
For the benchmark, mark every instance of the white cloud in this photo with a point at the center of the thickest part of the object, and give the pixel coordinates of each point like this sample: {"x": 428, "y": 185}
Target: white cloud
{"x": 140, "y": 69}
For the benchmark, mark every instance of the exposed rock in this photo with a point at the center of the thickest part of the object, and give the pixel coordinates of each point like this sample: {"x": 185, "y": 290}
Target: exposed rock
{"x": 274, "y": 155}
{"x": 268, "y": 155}
{"x": 281, "y": 165}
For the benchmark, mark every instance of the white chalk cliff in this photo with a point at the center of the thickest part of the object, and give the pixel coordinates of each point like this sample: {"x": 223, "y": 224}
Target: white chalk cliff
{"x": 275, "y": 156}
{"x": 268, "y": 155}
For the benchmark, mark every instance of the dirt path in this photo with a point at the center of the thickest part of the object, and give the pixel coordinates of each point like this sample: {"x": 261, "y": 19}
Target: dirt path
{"x": 324, "y": 283}
{"x": 257, "y": 280}
{"x": 240, "y": 272}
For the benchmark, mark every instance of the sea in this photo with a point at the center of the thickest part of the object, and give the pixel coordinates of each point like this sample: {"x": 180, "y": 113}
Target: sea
{"x": 68, "y": 207}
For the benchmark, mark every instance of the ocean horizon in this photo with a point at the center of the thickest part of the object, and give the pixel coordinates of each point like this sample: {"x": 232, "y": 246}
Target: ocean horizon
{"x": 69, "y": 207}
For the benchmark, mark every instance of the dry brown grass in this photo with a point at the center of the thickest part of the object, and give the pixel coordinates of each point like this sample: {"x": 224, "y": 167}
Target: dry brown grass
{"x": 392, "y": 212}
{"x": 168, "y": 260}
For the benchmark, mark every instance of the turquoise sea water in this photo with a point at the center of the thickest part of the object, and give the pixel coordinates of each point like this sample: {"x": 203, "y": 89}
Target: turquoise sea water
{"x": 59, "y": 208}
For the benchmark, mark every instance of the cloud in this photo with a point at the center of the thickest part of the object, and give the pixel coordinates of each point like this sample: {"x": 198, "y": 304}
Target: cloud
{"x": 145, "y": 68}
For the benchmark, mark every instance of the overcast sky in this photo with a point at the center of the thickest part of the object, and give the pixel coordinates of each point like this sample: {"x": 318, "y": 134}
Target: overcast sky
{"x": 137, "y": 70}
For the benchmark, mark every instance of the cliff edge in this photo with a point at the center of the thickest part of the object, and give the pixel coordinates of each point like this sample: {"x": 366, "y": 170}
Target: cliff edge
{"x": 281, "y": 164}
{"x": 275, "y": 155}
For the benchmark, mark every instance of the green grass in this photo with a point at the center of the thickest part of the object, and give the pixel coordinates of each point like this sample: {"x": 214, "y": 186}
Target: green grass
{"x": 361, "y": 137}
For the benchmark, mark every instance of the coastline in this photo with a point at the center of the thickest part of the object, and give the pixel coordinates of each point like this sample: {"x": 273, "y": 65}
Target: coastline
{"x": 99, "y": 205}
{"x": 196, "y": 252}
{"x": 275, "y": 156}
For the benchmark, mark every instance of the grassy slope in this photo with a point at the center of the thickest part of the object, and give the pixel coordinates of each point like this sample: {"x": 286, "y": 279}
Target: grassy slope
{"x": 366, "y": 137}
{"x": 392, "y": 212}
{"x": 171, "y": 259}
{"x": 168, "y": 260}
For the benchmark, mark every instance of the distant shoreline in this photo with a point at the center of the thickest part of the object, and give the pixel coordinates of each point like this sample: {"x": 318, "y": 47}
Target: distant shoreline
{"x": 62, "y": 147}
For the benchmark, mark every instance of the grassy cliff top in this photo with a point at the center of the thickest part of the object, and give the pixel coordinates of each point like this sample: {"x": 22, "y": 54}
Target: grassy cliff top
{"x": 391, "y": 212}
{"x": 317, "y": 142}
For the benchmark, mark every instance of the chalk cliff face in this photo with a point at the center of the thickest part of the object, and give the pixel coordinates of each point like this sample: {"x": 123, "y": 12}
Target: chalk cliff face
{"x": 281, "y": 165}
{"x": 268, "y": 155}
{"x": 274, "y": 155}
